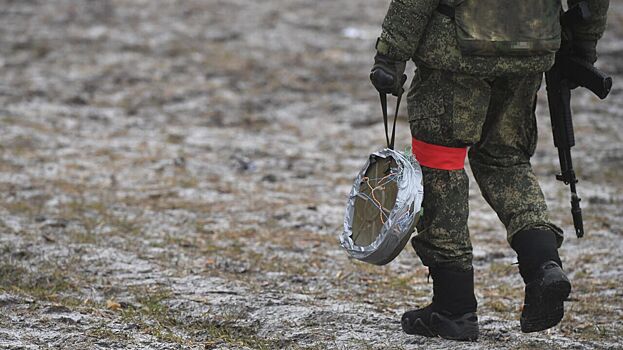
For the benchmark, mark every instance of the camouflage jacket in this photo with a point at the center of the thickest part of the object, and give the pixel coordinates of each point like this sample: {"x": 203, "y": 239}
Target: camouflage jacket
{"x": 413, "y": 29}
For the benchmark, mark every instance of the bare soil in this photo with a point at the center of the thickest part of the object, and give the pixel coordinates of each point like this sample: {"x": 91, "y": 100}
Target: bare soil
{"x": 173, "y": 175}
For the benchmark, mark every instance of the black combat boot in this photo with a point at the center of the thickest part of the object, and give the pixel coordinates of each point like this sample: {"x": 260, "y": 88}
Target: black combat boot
{"x": 452, "y": 314}
{"x": 546, "y": 284}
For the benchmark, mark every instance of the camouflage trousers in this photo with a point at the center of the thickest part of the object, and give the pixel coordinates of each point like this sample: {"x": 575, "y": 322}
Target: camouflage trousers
{"x": 495, "y": 118}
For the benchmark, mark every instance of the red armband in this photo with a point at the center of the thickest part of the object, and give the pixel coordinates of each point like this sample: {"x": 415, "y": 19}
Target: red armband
{"x": 438, "y": 157}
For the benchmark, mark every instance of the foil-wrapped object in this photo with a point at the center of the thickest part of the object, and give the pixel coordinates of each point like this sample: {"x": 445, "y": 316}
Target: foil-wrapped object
{"x": 383, "y": 207}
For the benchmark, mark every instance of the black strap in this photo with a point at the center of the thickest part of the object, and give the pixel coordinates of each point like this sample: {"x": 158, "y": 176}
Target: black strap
{"x": 390, "y": 144}
{"x": 446, "y": 10}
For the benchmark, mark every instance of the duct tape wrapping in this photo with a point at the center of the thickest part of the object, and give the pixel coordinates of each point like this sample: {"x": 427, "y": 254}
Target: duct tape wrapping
{"x": 380, "y": 218}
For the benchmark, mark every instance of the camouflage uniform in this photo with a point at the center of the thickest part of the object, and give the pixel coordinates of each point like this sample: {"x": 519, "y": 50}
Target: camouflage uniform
{"x": 486, "y": 103}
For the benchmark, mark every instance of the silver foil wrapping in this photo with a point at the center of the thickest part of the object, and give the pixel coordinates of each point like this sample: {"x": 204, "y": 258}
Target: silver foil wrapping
{"x": 399, "y": 223}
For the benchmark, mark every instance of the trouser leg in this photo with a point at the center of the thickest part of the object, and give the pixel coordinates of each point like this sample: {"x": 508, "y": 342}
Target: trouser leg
{"x": 442, "y": 236}
{"x": 500, "y": 161}
{"x": 445, "y": 110}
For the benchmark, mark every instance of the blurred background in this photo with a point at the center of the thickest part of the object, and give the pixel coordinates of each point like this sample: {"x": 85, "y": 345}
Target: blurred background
{"x": 173, "y": 174}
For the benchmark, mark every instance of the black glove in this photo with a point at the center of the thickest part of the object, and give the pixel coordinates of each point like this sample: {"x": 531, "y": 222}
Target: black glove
{"x": 585, "y": 50}
{"x": 387, "y": 74}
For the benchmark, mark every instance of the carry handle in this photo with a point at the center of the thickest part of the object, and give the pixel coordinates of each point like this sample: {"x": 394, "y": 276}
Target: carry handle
{"x": 390, "y": 143}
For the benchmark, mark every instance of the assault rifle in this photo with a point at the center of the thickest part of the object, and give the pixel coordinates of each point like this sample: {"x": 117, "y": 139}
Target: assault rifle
{"x": 568, "y": 73}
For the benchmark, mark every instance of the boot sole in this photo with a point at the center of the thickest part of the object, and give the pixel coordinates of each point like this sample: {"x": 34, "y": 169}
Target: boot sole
{"x": 462, "y": 329}
{"x": 551, "y": 306}
{"x": 465, "y": 330}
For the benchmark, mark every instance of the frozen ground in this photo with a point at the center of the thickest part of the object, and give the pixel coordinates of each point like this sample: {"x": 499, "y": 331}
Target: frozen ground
{"x": 173, "y": 175}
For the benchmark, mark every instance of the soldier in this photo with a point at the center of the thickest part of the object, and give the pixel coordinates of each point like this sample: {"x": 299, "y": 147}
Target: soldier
{"x": 479, "y": 66}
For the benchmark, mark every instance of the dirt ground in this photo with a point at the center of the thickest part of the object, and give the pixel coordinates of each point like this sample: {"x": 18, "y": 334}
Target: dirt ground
{"x": 173, "y": 175}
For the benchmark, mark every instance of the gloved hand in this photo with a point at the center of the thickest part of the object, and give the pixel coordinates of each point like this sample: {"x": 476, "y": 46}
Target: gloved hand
{"x": 387, "y": 74}
{"x": 585, "y": 50}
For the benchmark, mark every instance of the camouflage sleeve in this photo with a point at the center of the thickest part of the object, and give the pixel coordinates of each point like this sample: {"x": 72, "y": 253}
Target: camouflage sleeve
{"x": 403, "y": 26}
{"x": 596, "y": 25}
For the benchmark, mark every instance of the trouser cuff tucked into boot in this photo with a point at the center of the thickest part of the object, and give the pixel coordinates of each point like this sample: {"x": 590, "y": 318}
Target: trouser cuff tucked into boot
{"x": 453, "y": 291}
{"x": 452, "y": 314}
{"x": 535, "y": 247}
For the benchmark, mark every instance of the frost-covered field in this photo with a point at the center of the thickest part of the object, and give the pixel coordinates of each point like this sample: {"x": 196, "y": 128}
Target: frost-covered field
{"x": 173, "y": 175}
